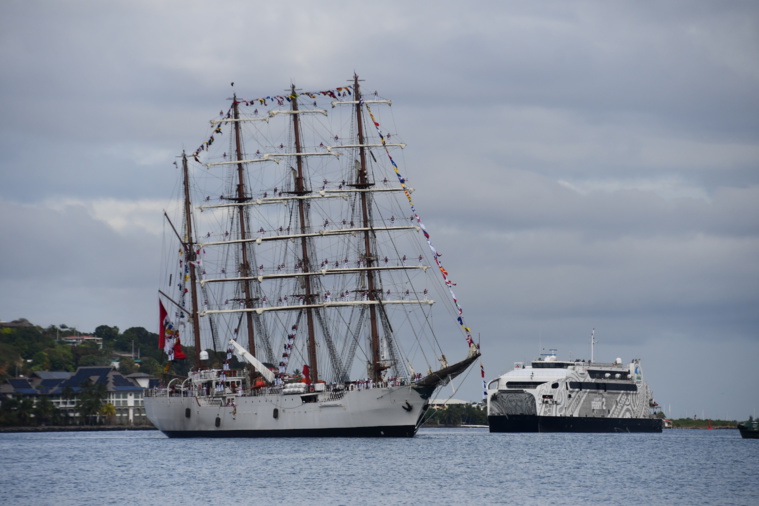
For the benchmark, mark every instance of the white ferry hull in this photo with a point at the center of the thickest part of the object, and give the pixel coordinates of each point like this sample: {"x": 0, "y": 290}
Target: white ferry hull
{"x": 376, "y": 412}
{"x": 533, "y": 423}
{"x": 572, "y": 396}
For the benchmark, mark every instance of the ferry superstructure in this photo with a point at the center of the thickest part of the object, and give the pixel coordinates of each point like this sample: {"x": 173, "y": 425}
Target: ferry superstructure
{"x": 551, "y": 395}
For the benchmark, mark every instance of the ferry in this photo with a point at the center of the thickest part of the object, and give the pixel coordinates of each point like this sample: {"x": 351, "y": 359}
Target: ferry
{"x": 552, "y": 395}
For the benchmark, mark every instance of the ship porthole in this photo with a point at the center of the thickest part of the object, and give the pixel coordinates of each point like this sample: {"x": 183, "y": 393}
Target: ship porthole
{"x": 218, "y": 421}
{"x": 276, "y": 412}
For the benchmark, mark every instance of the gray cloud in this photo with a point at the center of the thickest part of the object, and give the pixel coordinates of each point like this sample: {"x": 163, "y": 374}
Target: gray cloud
{"x": 579, "y": 165}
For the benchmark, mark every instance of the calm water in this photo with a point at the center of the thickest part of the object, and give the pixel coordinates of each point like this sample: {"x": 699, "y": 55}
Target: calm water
{"x": 439, "y": 466}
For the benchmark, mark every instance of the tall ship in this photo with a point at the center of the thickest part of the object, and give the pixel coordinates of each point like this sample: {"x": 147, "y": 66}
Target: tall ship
{"x": 301, "y": 271}
{"x": 552, "y": 395}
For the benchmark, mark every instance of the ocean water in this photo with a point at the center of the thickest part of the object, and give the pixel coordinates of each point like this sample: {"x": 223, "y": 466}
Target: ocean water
{"x": 438, "y": 466}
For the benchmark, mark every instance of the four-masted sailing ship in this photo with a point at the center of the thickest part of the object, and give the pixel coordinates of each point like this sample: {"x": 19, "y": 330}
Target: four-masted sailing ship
{"x": 306, "y": 277}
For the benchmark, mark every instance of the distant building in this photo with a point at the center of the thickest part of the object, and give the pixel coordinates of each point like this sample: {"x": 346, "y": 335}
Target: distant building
{"x": 63, "y": 389}
{"x": 77, "y": 340}
{"x": 443, "y": 403}
{"x": 142, "y": 379}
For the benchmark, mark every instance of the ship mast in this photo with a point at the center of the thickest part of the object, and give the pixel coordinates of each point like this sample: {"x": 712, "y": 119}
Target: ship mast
{"x": 362, "y": 182}
{"x": 190, "y": 258}
{"x": 242, "y": 197}
{"x": 300, "y": 189}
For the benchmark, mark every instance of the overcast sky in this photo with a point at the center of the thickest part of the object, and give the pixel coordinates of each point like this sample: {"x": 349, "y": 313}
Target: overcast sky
{"x": 581, "y": 165}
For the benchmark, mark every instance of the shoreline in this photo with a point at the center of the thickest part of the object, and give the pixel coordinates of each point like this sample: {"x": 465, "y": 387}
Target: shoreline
{"x": 114, "y": 428}
{"x": 77, "y": 428}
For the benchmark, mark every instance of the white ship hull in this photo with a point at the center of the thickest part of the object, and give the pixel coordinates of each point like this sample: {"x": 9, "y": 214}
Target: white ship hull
{"x": 375, "y": 412}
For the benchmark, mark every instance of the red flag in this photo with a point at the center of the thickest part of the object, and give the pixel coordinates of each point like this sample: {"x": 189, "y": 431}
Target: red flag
{"x": 307, "y": 375}
{"x": 162, "y": 314}
{"x": 178, "y": 353}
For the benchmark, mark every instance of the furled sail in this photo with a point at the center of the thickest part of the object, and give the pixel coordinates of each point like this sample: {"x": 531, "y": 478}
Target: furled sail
{"x": 260, "y": 367}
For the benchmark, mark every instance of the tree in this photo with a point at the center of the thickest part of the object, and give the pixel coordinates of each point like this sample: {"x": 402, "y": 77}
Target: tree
{"x": 91, "y": 397}
{"x": 127, "y": 366}
{"x": 108, "y": 411}
{"x": 151, "y": 366}
{"x": 9, "y": 411}
{"x": 40, "y": 361}
{"x": 106, "y": 332}
{"x": 17, "y": 411}
{"x": 67, "y": 393}
{"x": 146, "y": 341}
{"x": 61, "y": 358}
{"x": 26, "y": 340}
{"x": 456, "y": 414}
{"x": 89, "y": 360}
{"x": 9, "y": 360}
{"x": 89, "y": 354}
{"x": 25, "y": 409}
{"x": 45, "y": 411}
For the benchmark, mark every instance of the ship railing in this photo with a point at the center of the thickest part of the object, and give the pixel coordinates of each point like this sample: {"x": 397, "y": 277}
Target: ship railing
{"x": 334, "y": 395}
{"x": 265, "y": 391}
{"x": 215, "y": 374}
{"x": 194, "y": 387}
{"x": 165, "y": 392}
{"x": 169, "y": 392}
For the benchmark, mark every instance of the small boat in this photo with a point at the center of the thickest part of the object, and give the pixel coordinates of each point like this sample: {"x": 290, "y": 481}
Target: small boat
{"x": 304, "y": 277}
{"x": 749, "y": 429}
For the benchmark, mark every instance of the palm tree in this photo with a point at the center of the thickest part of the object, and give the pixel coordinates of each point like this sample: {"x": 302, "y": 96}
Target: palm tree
{"x": 25, "y": 408}
{"x": 45, "y": 411}
{"x": 108, "y": 411}
{"x": 9, "y": 411}
{"x": 90, "y": 401}
{"x": 67, "y": 394}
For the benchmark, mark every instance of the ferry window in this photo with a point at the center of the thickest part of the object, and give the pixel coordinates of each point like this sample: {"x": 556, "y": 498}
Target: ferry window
{"x": 524, "y": 384}
{"x": 554, "y": 385}
{"x": 550, "y": 365}
{"x": 610, "y": 387}
{"x": 624, "y": 387}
